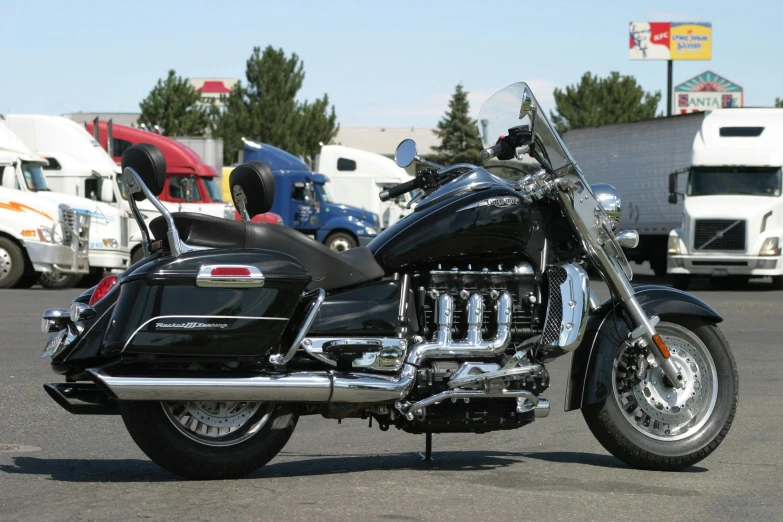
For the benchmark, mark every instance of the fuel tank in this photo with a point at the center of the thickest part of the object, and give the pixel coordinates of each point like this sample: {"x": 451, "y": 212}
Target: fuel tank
{"x": 477, "y": 215}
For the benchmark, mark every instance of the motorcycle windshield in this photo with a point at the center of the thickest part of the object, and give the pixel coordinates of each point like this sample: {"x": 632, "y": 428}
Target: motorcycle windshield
{"x": 516, "y": 106}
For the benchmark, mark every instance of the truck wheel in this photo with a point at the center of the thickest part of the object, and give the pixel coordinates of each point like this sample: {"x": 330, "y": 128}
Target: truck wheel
{"x": 681, "y": 281}
{"x": 209, "y": 440}
{"x": 11, "y": 263}
{"x": 658, "y": 265}
{"x": 340, "y": 242}
{"x": 58, "y": 281}
{"x": 27, "y": 281}
{"x": 137, "y": 255}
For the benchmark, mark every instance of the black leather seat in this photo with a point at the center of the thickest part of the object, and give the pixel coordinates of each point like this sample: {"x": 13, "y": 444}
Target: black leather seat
{"x": 330, "y": 270}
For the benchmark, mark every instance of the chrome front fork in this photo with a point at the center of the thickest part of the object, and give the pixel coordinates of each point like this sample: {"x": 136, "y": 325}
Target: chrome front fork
{"x": 582, "y": 209}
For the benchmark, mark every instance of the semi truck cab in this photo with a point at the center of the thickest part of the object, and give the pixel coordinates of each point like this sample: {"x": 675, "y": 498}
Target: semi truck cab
{"x": 302, "y": 199}
{"x": 733, "y": 212}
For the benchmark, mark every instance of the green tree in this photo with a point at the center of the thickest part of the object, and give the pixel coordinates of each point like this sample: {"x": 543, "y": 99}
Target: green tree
{"x": 458, "y": 133}
{"x": 598, "y": 101}
{"x": 265, "y": 109}
{"x": 173, "y": 105}
{"x": 779, "y": 103}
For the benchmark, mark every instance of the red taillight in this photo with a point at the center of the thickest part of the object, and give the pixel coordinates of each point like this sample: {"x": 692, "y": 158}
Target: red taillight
{"x": 103, "y": 288}
{"x": 230, "y": 271}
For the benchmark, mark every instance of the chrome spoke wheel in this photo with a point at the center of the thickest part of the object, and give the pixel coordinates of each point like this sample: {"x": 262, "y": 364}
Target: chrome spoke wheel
{"x": 218, "y": 423}
{"x": 650, "y": 403}
{"x": 339, "y": 245}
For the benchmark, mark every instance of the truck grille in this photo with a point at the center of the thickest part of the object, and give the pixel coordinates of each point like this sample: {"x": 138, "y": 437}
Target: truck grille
{"x": 69, "y": 220}
{"x": 720, "y": 234}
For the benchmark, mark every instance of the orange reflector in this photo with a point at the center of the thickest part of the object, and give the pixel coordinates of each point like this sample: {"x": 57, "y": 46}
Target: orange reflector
{"x": 661, "y": 346}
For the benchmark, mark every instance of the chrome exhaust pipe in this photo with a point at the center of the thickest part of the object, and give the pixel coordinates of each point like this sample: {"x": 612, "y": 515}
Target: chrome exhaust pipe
{"x": 292, "y": 387}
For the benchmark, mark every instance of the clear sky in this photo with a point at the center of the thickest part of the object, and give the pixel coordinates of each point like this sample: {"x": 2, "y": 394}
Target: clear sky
{"x": 382, "y": 63}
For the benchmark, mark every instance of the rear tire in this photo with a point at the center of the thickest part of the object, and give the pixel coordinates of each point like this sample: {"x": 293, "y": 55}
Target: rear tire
{"x": 190, "y": 455}
{"x": 340, "y": 242}
{"x": 11, "y": 263}
{"x": 693, "y": 423}
{"x": 681, "y": 281}
{"x": 59, "y": 281}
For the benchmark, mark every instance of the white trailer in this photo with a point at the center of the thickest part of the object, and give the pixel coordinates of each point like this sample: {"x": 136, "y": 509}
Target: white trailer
{"x": 637, "y": 158}
{"x": 69, "y": 178}
{"x": 733, "y": 212}
{"x": 357, "y": 176}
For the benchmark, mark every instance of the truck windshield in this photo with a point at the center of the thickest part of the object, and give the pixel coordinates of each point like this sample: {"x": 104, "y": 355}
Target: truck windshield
{"x": 213, "y": 190}
{"x": 323, "y": 194}
{"x": 34, "y": 177}
{"x": 724, "y": 181}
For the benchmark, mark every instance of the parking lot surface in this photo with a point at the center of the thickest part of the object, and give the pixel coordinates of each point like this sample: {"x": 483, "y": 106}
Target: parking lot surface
{"x": 57, "y": 466}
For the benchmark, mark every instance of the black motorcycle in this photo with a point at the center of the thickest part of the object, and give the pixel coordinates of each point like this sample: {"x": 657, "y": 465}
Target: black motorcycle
{"x": 214, "y": 344}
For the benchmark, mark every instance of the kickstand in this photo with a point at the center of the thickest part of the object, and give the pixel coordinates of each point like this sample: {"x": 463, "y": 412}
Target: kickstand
{"x": 427, "y": 455}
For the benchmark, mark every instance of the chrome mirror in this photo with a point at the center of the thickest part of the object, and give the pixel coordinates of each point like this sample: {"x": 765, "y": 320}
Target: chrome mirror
{"x": 406, "y": 153}
{"x": 609, "y": 199}
{"x": 628, "y": 238}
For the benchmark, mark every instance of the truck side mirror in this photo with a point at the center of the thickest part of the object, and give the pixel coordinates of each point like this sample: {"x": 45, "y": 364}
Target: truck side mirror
{"x": 673, "y": 199}
{"x": 673, "y": 183}
{"x": 107, "y": 191}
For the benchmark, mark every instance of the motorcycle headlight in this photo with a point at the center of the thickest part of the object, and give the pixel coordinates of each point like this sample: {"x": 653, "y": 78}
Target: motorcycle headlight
{"x": 770, "y": 247}
{"x": 674, "y": 244}
{"x": 45, "y": 234}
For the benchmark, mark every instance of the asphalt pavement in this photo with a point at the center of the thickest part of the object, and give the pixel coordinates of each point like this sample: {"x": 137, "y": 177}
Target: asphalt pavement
{"x": 57, "y": 466}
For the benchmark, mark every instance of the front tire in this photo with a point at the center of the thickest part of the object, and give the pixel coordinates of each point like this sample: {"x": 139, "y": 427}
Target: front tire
{"x": 650, "y": 425}
{"x": 209, "y": 440}
{"x": 11, "y": 263}
{"x": 59, "y": 281}
{"x": 340, "y": 242}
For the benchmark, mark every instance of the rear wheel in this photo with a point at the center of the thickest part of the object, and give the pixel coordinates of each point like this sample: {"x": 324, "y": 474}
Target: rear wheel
{"x": 340, "y": 242}
{"x": 207, "y": 440}
{"x": 58, "y": 280}
{"x": 647, "y": 423}
{"x": 11, "y": 263}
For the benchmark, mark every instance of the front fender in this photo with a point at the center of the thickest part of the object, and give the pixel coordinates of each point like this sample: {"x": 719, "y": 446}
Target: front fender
{"x": 589, "y": 380}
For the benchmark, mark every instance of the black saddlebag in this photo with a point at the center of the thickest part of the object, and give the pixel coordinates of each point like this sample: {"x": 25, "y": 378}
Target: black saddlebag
{"x": 180, "y": 306}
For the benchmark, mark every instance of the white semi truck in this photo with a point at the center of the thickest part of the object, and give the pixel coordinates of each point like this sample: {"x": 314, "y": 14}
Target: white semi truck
{"x": 108, "y": 233}
{"x": 702, "y": 189}
{"x": 733, "y": 212}
{"x": 37, "y": 234}
{"x": 357, "y": 176}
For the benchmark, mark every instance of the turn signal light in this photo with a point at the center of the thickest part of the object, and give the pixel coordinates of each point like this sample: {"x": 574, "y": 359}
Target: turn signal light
{"x": 103, "y": 288}
{"x": 661, "y": 346}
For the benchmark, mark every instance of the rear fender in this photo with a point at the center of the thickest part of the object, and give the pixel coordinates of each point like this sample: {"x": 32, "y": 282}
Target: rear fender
{"x": 589, "y": 380}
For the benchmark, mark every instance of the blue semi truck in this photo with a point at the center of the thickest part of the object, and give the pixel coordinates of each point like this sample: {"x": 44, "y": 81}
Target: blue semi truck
{"x": 302, "y": 200}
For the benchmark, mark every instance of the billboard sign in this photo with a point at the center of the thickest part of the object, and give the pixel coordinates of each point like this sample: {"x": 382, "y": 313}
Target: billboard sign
{"x": 706, "y": 92}
{"x": 670, "y": 41}
{"x": 213, "y": 90}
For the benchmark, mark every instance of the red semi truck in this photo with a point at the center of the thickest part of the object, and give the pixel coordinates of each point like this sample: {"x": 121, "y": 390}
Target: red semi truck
{"x": 191, "y": 184}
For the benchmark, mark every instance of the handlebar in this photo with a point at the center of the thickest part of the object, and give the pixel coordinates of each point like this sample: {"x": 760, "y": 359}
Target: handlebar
{"x": 399, "y": 190}
{"x": 501, "y": 150}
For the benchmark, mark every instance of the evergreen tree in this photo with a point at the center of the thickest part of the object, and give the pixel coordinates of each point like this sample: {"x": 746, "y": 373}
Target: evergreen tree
{"x": 265, "y": 109}
{"x": 598, "y": 101}
{"x": 458, "y": 133}
{"x": 779, "y": 103}
{"x": 173, "y": 106}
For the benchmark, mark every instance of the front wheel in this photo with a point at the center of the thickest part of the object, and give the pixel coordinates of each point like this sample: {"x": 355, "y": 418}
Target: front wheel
{"x": 59, "y": 281}
{"x": 209, "y": 440}
{"x": 649, "y": 424}
{"x": 340, "y": 242}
